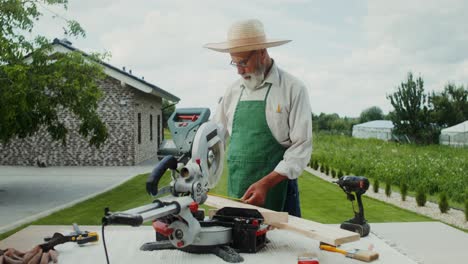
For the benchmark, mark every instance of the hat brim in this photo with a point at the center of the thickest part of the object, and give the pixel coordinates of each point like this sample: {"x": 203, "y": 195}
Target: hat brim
{"x": 227, "y": 47}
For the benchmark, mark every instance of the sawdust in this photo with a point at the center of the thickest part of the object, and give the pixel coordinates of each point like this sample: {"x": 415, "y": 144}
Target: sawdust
{"x": 453, "y": 217}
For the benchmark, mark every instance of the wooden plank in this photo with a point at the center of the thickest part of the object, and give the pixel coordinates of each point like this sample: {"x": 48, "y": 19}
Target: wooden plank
{"x": 323, "y": 233}
{"x": 274, "y": 217}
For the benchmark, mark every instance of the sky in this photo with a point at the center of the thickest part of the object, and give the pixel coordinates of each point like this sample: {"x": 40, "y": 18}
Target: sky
{"x": 350, "y": 54}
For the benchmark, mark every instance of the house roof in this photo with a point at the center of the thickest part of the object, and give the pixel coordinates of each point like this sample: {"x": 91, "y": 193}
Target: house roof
{"x": 376, "y": 124}
{"x": 459, "y": 128}
{"x": 121, "y": 75}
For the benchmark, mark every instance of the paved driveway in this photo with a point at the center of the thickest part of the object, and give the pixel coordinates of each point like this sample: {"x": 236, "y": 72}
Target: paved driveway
{"x": 27, "y": 193}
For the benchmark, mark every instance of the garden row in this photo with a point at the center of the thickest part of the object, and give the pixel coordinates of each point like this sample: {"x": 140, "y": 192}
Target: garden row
{"x": 434, "y": 170}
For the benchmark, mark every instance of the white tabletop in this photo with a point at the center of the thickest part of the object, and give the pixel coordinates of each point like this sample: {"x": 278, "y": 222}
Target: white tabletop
{"x": 123, "y": 245}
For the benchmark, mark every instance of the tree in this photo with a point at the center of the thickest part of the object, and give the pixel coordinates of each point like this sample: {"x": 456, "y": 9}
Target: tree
{"x": 339, "y": 125}
{"x": 168, "y": 108}
{"x": 325, "y": 120}
{"x": 371, "y": 113}
{"x": 411, "y": 115}
{"x": 37, "y": 86}
{"x": 333, "y": 123}
{"x": 450, "y": 107}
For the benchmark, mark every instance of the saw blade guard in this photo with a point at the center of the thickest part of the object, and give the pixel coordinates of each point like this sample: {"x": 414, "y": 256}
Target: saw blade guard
{"x": 208, "y": 147}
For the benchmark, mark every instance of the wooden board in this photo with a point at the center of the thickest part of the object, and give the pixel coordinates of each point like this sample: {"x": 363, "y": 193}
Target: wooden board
{"x": 323, "y": 233}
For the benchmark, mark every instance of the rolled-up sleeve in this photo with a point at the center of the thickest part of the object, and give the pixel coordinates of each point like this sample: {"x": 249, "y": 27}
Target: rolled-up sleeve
{"x": 223, "y": 112}
{"x": 220, "y": 119}
{"x": 297, "y": 156}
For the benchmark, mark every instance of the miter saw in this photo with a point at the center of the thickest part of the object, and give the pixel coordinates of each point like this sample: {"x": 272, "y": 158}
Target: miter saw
{"x": 195, "y": 159}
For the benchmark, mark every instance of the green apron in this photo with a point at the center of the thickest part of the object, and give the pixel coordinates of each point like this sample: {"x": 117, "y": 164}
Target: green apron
{"x": 253, "y": 152}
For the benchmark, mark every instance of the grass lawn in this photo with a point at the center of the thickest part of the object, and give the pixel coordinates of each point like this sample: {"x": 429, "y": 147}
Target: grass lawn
{"x": 320, "y": 201}
{"x": 167, "y": 134}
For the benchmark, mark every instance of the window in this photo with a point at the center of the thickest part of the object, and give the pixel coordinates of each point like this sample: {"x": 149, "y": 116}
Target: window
{"x": 151, "y": 127}
{"x": 139, "y": 128}
{"x": 159, "y": 129}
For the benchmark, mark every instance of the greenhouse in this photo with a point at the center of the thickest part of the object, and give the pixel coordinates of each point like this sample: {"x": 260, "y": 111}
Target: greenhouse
{"x": 455, "y": 135}
{"x": 380, "y": 129}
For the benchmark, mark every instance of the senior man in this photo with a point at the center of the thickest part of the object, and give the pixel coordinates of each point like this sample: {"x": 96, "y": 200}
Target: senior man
{"x": 268, "y": 117}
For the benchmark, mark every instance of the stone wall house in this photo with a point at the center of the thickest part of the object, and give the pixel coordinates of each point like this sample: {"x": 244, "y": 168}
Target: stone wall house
{"x": 130, "y": 108}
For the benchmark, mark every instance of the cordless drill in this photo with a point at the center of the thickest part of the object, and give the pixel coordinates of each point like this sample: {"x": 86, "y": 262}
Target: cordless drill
{"x": 357, "y": 185}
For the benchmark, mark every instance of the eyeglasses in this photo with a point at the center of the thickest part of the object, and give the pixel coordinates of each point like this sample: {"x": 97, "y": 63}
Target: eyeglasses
{"x": 242, "y": 63}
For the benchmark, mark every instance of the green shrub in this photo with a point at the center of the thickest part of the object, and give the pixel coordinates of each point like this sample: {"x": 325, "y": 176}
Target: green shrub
{"x": 327, "y": 170}
{"x": 466, "y": 209}
{"x": 322, "y": 168}
{"x": 388, "y": 189}
{"x": 316, "y": 165}
{"x": 420, "y": 197}
{"x": 340, "y": 173}
{"x": 443, "y": 203}
{"x": 404, "y": 190}
{"x": 376, "y": 185}
{"x": 333, "y": 173}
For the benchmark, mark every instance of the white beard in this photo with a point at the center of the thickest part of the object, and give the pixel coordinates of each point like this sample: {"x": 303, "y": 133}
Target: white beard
{"x": 256, "y": 78}
{"x": 254, "y": 81}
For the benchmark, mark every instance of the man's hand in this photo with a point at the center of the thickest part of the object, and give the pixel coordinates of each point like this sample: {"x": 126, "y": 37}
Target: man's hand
{"x": 36, "y": 255}
{"x": 257, "y": 192}
{"x": 33, "y": 256}
{"x": 11, "y": 256}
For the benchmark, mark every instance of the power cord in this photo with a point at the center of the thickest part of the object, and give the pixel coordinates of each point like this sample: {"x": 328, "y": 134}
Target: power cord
{"x": 104, "y": 243}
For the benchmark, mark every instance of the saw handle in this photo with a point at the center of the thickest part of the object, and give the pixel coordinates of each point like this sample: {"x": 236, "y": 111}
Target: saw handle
{"x": 122, "y": 219}
{"x": 168, "y": 162}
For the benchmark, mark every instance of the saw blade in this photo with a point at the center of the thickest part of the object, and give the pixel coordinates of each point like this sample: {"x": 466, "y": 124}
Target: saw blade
{"x": 215, "y": 164}
{"x": 209, "y": 148}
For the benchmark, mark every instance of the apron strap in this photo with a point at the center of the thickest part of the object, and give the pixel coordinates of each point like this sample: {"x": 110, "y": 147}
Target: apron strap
{"x": 242, "y": 92}
{"x": 266, "y": 95}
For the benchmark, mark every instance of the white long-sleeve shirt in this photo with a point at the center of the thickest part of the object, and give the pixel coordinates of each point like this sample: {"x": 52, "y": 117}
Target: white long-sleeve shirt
{"x": 288, "y": 115}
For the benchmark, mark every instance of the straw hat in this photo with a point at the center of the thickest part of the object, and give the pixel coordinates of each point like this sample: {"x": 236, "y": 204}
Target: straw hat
{"x": 246, "y": 35}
